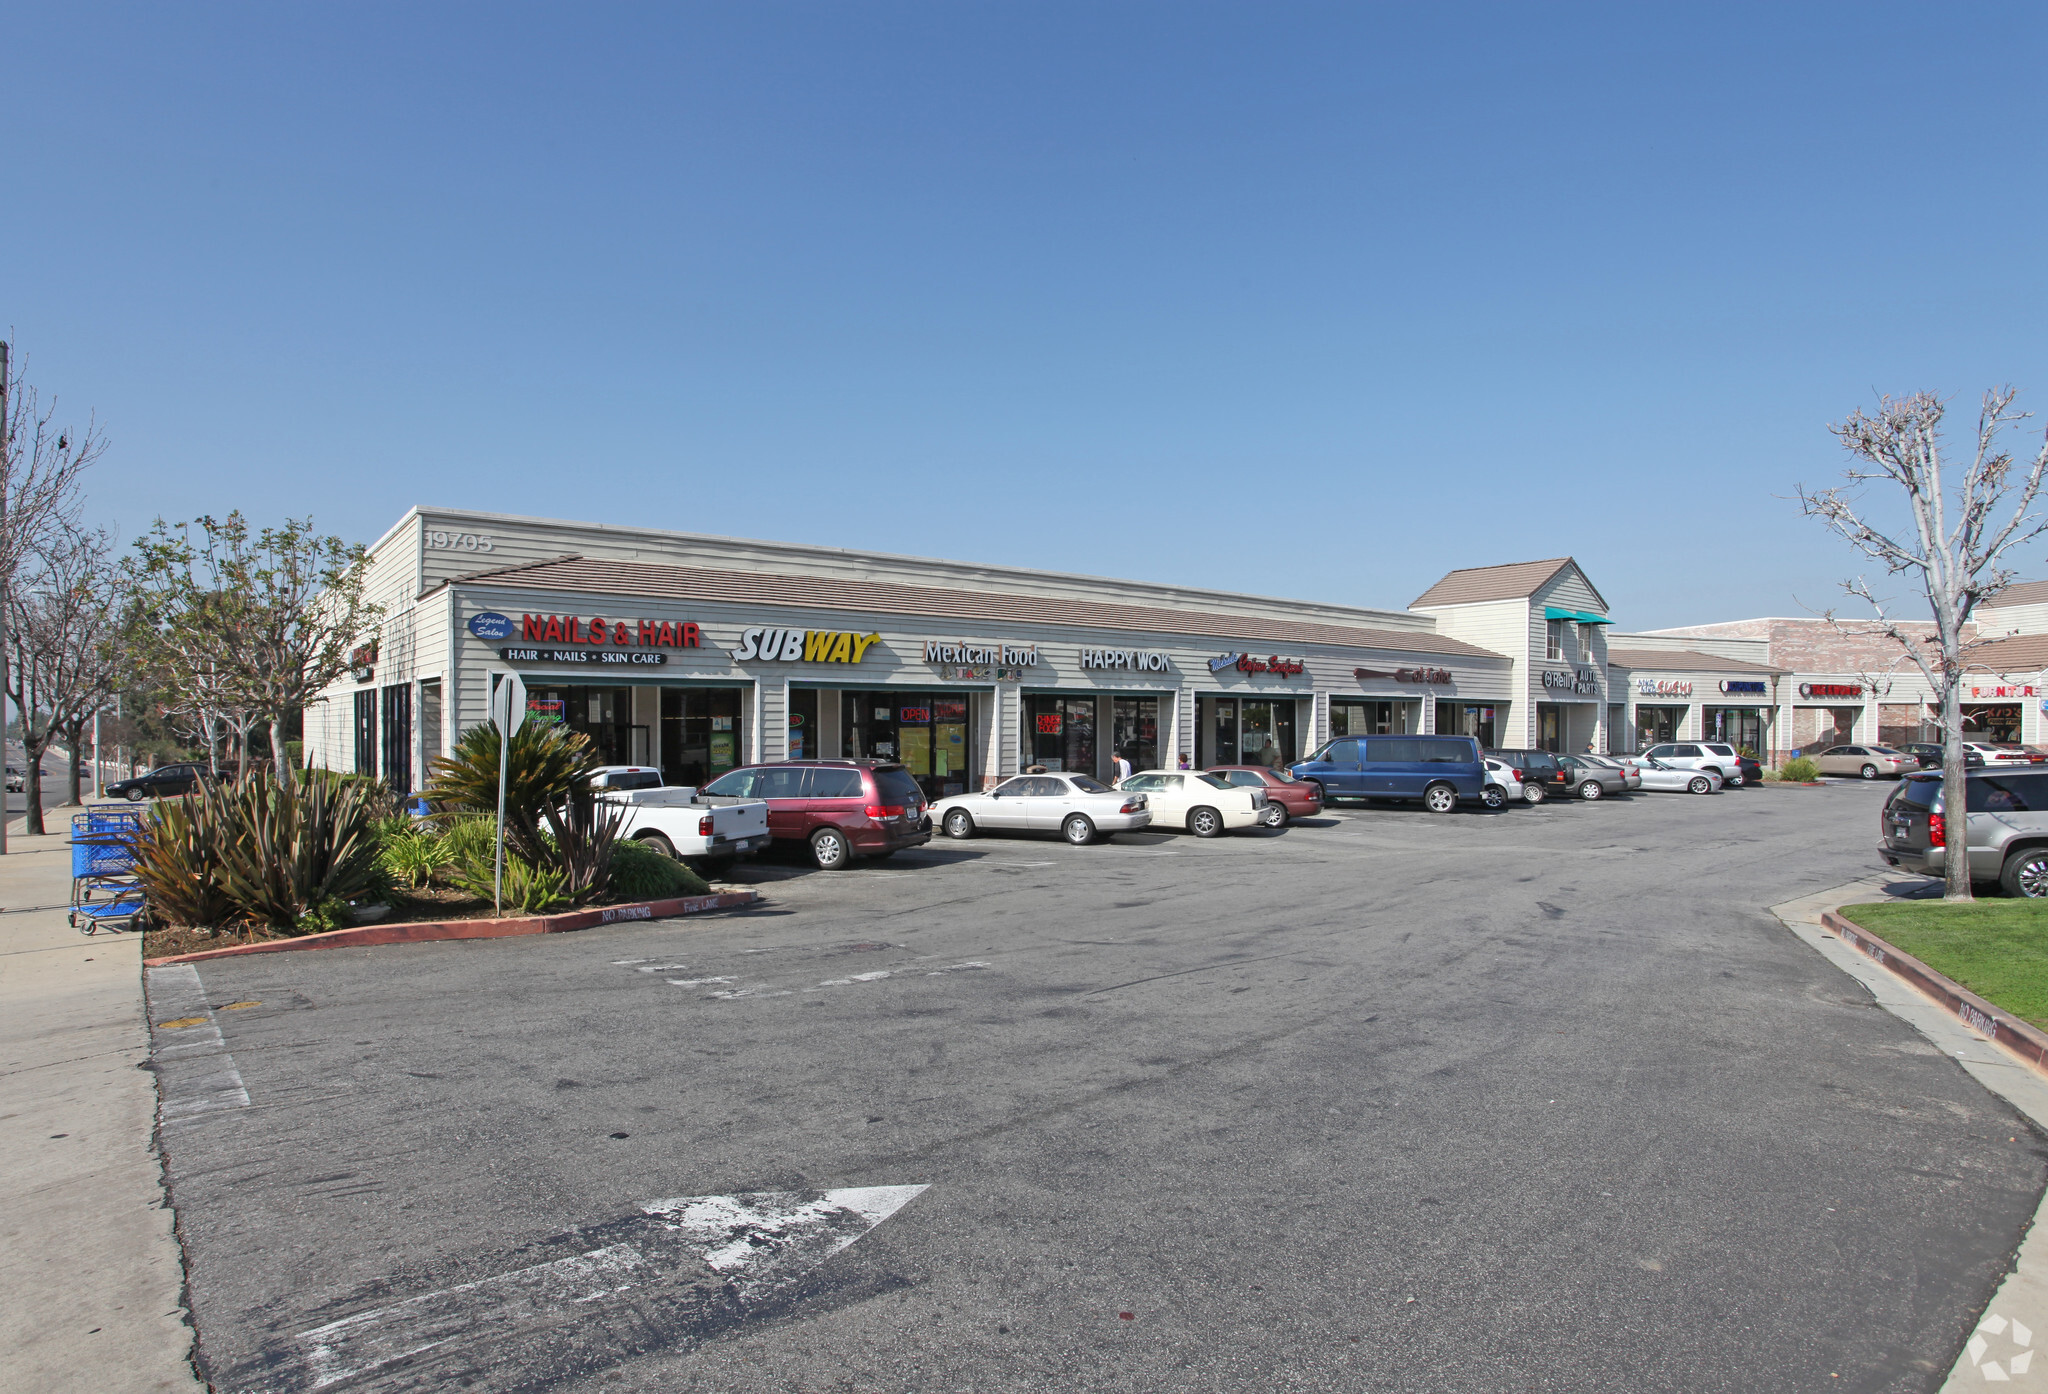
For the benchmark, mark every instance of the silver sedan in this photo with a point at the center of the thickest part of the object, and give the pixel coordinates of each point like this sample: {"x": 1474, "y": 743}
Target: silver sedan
{"x": 1076, "y": 807}
{"x": 1660, "y": 776}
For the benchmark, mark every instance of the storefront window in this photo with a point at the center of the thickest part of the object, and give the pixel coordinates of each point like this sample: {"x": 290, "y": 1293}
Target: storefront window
{"x": 1655, "y": 725}
{"x": 1350, "y": 717}
{"x": 927, "y": 731}
{"x": 1991, "y": 723}
{"x": 1468, "y": 719}
{"x": 1741, "y": 727}
{"x": 1550, "y": 726}
{"x": 1249, "y": 731}
{"x": 803, "y": 724}
{"x": 1060, "y": 732}
{"x": 1134, "y": 731}
{"x": 701, "y": 733}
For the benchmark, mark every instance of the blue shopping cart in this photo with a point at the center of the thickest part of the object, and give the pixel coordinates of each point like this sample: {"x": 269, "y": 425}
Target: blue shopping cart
{"x": 104, "y": 890}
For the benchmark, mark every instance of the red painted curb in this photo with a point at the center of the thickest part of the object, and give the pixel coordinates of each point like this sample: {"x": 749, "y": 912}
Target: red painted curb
{"x": 428, "y": 932}
{"x": 2030, "y": 1043}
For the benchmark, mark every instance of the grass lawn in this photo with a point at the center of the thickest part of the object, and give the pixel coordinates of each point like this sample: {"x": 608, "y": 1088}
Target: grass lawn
{"x": 1996, "y": 948}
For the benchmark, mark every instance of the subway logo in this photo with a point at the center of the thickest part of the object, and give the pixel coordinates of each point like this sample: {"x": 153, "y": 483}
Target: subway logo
{"x": 803, "y": 645}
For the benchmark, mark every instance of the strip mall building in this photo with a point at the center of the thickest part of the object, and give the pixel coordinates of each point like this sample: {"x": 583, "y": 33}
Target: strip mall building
{"x": 697, "y": 653}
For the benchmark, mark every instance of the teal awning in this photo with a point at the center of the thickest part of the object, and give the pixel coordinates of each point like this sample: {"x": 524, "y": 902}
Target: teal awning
{"x": 1558, "y": 612}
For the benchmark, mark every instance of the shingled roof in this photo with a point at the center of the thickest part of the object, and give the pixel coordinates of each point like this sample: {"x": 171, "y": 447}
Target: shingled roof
{"x": 2022, "y": 653}
{"x": 654, "y": 580}
{"x": 1512, "y": 582}
{"x": 2018, "y": 593}
{"x": 1687, "y": 660}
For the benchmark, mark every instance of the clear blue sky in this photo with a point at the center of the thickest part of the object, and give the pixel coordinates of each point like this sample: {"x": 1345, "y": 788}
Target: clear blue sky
{"x": 1306, "y": 300}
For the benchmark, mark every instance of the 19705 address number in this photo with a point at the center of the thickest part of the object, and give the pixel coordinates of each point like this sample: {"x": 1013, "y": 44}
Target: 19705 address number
{"x": 460, "y": 541}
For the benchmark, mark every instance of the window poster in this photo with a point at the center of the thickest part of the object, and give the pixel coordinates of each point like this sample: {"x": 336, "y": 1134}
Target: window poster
{"x": 722, "y": 755}
{"x": 917, "y": 748}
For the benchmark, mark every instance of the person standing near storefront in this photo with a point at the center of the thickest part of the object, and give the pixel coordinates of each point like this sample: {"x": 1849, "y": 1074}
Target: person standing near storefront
{"x": 1119, "y": 768}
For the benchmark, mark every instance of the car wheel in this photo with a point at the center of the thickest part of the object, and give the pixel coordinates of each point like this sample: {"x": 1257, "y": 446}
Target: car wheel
{"x": 1493, "y": 796}
{"x": 2026, "y": 874}
{"x": 134, "y": 796}
{"x": 1205, "y": 822}
{"x": 1868, "y": 772}
{"x": 1591, "y": 790}
{"x": 1439, "y": 798}
{"x": 1533, "y": 793}
{"x": 1699, "y": 784}
{"x": 830, "y": 849}
{"x": 1079, "y": 829}
{"x": 659, "y": 843}
{"x": 1276, "y": 815}
{"x": 959, "y": 823}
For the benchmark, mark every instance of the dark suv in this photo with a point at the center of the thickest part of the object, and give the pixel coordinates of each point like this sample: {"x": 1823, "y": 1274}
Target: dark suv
{"x": 838, "y": 809}
{"x": 1543, "y": 774}
{"x": 164, "y": 782}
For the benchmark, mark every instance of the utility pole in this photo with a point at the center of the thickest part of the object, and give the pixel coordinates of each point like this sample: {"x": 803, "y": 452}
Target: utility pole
{"x": 6, "y": 570}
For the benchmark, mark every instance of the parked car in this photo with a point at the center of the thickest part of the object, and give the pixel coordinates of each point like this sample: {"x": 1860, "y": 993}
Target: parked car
{"x": 1865, "y": 761}
{"x": 1592, "y": 779}
{"x": 1503, "y": 784}
{"x": 1078, "y": 808}
{"x": 2003, "y": 753}
{"x": 1671, "y": 779}
{"x": 838, "y": 809}
{"x": 1543, "y": 774}
{"x": 675, "y": 821}
{"x": 1207, "y": 805}
{"x": 16, "y": 780}
{"x": 1714, "y": 756}
{"x": 2006, "y": 817}
{"x": 1752, "y": 770}
{"x": 1631, "y": 775}
{"x": 1286, "y": 798}
{"x": 1435, "y": 770}
{"x": 165, "y": 781}
{"x": 1926, "y": 752}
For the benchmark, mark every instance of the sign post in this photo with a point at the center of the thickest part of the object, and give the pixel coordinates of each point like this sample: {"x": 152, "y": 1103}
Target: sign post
{"x": 508, "y": 713}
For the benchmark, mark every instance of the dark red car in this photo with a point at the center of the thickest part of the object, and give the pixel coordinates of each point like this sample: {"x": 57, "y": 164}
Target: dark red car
{"x": 1285, "y": 798}
{"x": 838, "y": 809}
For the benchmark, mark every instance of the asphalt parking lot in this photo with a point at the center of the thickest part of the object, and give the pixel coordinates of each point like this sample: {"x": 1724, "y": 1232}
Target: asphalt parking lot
{"x": 1541, "y": 1100}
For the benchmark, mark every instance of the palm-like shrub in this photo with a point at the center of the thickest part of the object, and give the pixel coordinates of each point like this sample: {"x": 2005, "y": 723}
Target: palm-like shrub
{"x": 178, "y": 857}
{"x": 410, "y": 858}
{"x": 552, "y": 819}
{"x": 291, "y": 849}
{"x": 258, "y": 851}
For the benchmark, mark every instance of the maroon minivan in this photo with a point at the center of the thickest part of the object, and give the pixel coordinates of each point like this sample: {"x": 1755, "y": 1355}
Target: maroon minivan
{"x": 840, "y": 809}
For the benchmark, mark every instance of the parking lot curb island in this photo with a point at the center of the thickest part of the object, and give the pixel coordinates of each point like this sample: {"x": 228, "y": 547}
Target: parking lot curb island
{"x": 2028, "y": 1042}
{"x": 430, "y": 931}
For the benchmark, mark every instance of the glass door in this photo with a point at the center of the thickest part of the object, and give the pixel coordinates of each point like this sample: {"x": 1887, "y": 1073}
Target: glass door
{"x": 1134, "y": 731}
{"x": 949, "y": 747}
{"x": 1060, "y": 733}
{"x": 1265, "y": 732}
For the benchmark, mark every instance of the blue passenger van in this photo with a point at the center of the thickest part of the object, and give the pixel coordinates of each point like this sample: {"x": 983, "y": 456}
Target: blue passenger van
{"x": 1436, "y": 771}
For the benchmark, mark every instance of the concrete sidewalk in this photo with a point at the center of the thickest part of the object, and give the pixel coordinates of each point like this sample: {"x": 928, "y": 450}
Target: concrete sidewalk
{"x": 91, "y": 1283}
{"x": 2002, "y": 1349}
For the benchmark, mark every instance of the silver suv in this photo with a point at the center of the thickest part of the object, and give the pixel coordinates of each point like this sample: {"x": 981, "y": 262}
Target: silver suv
{"x": 1701, "y": 755}
{"x": 2007, "y": 814}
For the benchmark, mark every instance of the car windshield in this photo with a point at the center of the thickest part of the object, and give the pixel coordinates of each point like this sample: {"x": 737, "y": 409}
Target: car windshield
{"x": 738, "y": 784}
{"x": 1214, "y": 781}
{"x": 1655, "y": 764}
{"x": 1087, "y": 785}
{"x": 1882, "y": 750}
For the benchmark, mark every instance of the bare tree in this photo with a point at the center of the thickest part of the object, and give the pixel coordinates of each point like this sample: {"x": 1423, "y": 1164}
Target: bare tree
{"x": 40, "y": 463}
{"x": 1954, "y": 553}
{"x": 62, "y": 634}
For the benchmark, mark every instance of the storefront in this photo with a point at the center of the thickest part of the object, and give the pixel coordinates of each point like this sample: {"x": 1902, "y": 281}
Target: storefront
{"x": 1247, "y": 731}
{"x": 1481, "y": 721}
{"x": 1996, "y": 722}
{"x": 1655, "y": 725}
{"x": 737, "y": 652}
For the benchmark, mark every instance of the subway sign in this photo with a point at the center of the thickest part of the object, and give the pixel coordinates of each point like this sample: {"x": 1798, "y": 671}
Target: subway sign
{"x": 803, "y": 646}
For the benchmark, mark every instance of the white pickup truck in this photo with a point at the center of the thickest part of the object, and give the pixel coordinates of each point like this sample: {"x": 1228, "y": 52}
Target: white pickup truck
{"x": 672, "y": 821}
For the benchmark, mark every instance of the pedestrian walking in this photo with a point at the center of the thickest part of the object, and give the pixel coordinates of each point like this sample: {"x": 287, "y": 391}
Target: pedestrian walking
{"x": 1119, "y": 768}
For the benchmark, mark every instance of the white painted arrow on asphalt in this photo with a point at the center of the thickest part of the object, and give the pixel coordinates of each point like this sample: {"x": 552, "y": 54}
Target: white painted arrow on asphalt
{"x": 757, "y": 1245}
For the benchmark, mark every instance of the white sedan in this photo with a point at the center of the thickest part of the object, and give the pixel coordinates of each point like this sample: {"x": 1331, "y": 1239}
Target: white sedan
{"x": 1669, "y": 778}
{"x": 1207, "y": 805}
{"x": 1076, "y": 807}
